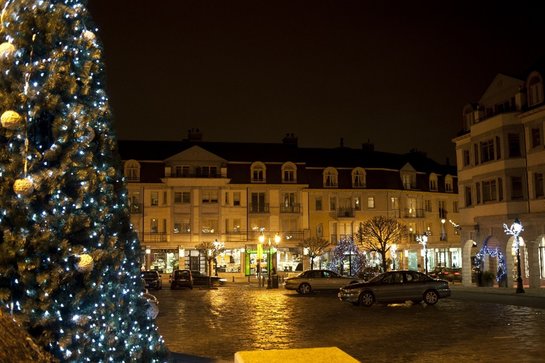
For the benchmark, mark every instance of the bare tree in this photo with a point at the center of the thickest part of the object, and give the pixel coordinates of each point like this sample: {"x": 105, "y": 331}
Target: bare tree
{"x": 378, "y": 234}
{"x": 316, "y": 246}
{"x": 211, "y": 250}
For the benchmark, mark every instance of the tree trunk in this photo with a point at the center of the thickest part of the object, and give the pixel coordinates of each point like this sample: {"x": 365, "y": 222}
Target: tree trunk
{"x": 384, "y": 262}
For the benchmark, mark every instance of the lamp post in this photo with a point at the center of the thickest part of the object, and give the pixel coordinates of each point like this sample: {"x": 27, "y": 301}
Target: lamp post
{"x": 423, "y": 240}
{"x": 269, "y": 258}
{"x": 393, "y": 250}
{"x": 443, "y": 231}
{"x": 515, "y": 230}
{"x": 218, "y": 247}
{"x": 148, "y": 258}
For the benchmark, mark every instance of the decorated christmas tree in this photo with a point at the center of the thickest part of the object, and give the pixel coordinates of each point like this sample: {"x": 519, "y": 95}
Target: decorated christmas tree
{"x": 69, "y": 261}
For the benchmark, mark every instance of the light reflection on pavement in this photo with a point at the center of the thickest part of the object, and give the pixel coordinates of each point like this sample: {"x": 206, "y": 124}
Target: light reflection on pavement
{"x": 219, "y": 322}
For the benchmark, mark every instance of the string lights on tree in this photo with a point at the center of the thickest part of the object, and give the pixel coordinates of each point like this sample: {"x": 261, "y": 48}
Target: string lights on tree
{"x": 70, "y": 267}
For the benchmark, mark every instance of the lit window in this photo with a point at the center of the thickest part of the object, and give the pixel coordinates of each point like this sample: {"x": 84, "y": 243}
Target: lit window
{"x": 330, "y": 178}
{"x": 132, "y": 171}
{"x": 535, "y": 90}
{"x": 358, "y": 178}
{"x": 154, "y": 198}
{"x": 289, "y": 173}
{"x": 448, "y": 184}
{"x": 258, "y": 171}
{"x": 433, "y": 182}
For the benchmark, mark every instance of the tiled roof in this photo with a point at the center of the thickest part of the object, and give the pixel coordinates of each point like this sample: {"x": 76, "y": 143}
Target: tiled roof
{"x": 280, "y": 152}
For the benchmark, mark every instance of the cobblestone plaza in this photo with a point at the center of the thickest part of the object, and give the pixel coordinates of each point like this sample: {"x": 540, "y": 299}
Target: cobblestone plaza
{"x": 217, "y": 323}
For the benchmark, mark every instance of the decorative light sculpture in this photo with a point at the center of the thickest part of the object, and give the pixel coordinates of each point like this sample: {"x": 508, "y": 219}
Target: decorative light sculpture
{"x": 423, "y": 240}
{"x": 515, "y": 230}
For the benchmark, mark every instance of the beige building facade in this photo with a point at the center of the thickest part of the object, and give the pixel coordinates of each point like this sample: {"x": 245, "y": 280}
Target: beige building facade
{"x": 188, "y": 192}
{"x": 501, "y": 164}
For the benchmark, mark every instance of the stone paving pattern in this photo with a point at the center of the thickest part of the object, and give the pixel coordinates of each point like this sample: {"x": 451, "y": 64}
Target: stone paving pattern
{"x": 216, "y": 323}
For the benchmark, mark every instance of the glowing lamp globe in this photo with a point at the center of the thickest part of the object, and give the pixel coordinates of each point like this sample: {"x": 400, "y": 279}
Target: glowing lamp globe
{"x": 23, "y": 186}
{"x": 85, "y": 263}
{"x": 11, "y": 120}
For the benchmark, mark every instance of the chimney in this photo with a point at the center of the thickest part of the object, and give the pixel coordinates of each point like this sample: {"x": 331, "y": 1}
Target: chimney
{"x": 290, "y": 139}
{"x": 194, "y": 135}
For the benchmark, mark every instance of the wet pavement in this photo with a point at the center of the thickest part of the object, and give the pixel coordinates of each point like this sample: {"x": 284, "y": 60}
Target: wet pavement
{"x": 212, "y": 324}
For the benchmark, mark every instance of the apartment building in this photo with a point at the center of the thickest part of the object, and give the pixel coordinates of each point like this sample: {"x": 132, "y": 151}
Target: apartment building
{"x": 182, "y": 193}
{"x": 501, "y": 163}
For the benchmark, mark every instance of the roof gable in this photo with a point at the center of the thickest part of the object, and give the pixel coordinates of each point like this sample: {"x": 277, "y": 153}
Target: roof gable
{"x": 408, "y": 168}
{"x": 502, "y": 88}
{"x": 195, "y": 154}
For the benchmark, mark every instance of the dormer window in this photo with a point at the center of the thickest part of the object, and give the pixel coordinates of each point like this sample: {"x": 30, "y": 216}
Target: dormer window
{"x": 358, "y": 178}
{"x": 289, "y": 173}
{"x": 535, "y": 89}
{"x": 132, "y": 171}
{"x": 258, "y": 172}
{"x": 330, "y": 178}
{"x": 448, "y": 184}
{"x": 433, "y": 182}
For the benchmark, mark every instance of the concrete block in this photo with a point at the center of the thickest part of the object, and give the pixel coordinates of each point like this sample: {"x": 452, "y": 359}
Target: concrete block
{"x": 314, "y": 355}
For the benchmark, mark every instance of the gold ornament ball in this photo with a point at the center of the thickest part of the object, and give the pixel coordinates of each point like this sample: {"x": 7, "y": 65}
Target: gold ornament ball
{"x": 89, "y": 36}
{"x": 85, "y": 263}
{"x": 11, "y": 120}
{"x": 23, "y": 186}
{"x": 7, "y": 50}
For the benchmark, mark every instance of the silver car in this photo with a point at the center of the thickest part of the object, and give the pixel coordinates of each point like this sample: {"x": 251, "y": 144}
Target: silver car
{"x": 312, "y": 280}
{"x": 396, "y": 286}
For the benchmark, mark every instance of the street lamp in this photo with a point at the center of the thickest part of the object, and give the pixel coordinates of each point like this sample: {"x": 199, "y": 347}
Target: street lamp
{"x": 218, "y": 247}
{"x": 515, "y": 230}
{"x": 269, "y": 258}
{"x": 393, "y": 250}
{"x": 148, "y": 258}
{"x": 443, "y": 232}
{"x": 423, "y": 240}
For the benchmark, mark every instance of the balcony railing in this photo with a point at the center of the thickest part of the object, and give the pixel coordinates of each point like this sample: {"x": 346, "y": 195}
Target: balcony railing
{"x": 155, "y": 237}
{"x": 345, "y": 212}
{"x": 413, "y": 213}
{"x": 195, "y": 175}
{"x": 258, "y": 208}
{"x": 294, "y": 208}
{"x": 394, "y": 213}
{"x": 135, "y": 208}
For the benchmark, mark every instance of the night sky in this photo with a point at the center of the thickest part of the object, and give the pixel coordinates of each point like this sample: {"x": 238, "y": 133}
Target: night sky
{"x": 397, "y": 73}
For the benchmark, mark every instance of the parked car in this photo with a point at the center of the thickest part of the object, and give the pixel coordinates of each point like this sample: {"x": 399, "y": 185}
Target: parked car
{"x": 396, "y": 286}
{"x": 449, "y": 274}
{"x": 181, "y": 278}
{"x": 152, "y": 279}
{"x": 203, "y": 279}
{"x": 313, "y": 280}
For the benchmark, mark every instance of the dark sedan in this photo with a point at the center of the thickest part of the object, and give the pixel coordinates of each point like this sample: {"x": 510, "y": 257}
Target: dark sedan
{"x": 203, "y": 279}
{"x": 396, "y": 286}
{"x": 181, "y": 278}
{"x": 152, "y": 279}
